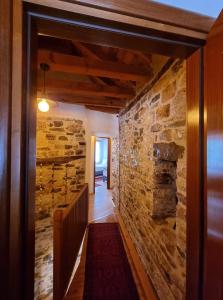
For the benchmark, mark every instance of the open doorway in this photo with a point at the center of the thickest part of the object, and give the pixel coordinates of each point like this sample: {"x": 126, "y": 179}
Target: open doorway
{"x": 102, "y": 163}
{"x": 162, "y": 113}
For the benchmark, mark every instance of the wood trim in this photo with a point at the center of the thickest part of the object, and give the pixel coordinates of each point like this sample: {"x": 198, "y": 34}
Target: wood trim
{"x": 16, "y": 202}
{"x": 73, "y": 26}
{"x": 28, "y": 167}
{"x": 94, "y": 164}
{"x": 213, "y": 210}
{"x": 145, "y": 282}
{"x": 116, "y": 35}
{"x": 109, "y": 165}
{"x": 160, "y": 17}
{"x": 195, "y": 176}
{"x": 6, "y": 6}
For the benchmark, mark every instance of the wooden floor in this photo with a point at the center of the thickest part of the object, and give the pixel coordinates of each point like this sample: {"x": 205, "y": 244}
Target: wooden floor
{"x": 101, "y": 210}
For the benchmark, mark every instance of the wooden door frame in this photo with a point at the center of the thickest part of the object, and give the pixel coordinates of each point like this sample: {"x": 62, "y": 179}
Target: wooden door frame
{"x": 37, "y": 18}
{"x": 196, "y": 162}
{"x": 108, "y": 161}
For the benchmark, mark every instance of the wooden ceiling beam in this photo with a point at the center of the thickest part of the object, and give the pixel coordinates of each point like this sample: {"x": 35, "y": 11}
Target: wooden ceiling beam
{"x": 85, "y": 89}
{"x": 72, "y": 99}
{"x": 85, "y": 51}
{"x": 74, "y": 64}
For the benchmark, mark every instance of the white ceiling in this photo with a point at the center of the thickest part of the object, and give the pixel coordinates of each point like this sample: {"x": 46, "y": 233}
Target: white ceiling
{"x": 206, "y": 7}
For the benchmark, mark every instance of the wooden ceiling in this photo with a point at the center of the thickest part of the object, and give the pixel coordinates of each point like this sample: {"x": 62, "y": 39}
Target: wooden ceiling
{"x": 100, "y": 78}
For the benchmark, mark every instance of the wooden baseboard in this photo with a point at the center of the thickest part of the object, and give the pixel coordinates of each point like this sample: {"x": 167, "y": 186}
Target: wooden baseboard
{"x": 144, "y": 281}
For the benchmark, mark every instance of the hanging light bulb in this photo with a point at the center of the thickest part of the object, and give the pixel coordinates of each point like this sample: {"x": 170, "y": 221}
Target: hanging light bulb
{"x": 43, "y": 105}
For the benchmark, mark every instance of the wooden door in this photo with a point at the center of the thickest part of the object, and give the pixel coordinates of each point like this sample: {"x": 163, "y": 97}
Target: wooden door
{"x": 213, "y": 231}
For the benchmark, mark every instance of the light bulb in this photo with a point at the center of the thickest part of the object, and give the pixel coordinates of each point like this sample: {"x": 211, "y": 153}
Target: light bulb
{"x": 43, "y": 105}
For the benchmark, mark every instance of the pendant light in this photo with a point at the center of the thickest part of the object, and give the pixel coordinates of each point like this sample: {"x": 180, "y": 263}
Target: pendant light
{"x": 43, "y": 105}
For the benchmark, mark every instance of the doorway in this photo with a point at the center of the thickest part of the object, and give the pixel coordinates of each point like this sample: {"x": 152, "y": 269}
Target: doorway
{"x": 31, "y": 95}
{"x": 102, "y": 163}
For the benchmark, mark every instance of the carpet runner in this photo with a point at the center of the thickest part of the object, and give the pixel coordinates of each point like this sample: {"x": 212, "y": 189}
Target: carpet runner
{"x": 108, "y": 274}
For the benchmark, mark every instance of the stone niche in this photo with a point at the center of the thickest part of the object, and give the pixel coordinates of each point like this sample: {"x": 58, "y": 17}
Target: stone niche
{"x": 164, "y": 179}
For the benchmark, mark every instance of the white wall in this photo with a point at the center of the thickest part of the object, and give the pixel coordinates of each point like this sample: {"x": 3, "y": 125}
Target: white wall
{"x": 97, "y": 124}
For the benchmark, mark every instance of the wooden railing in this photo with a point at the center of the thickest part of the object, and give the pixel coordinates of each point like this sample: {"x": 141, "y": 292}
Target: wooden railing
{"x": 69, "y": 227}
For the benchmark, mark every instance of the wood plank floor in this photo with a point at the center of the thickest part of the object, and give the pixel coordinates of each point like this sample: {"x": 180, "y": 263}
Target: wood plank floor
{"x": 101, "y": 210}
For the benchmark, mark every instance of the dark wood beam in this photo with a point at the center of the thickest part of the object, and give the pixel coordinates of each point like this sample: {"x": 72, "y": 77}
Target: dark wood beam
{"x": 141, "y": 39}
{"x": 85, "y": 89}
{"x": 70, "y": 98}
{"x": 108, "y": 110}
{"x": 78, "y": 65}
{"x": 85, "y": 51}
{"x": 58, "y": 45}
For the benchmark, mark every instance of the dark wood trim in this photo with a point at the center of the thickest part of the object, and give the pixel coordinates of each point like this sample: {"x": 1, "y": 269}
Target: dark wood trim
{"x": 109, "y": 165}
{"x": 213, "y": 206}
{"x": 94, "y": 164}
{"x": 29, "y": 151}
{"x": 195, "y": 176}
{"x": 68, "y": 25}
{"x": 6, "y": 6}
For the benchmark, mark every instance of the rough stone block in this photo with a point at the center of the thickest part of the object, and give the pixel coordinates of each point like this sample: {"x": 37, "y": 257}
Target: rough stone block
{"x": 169, "y": 92}
{"x": 164, "y": 203}
{"x": 156, "y": 127}
{"x": 163, "y": 111}
{"x": 168, "y": 151}
{"x": 166, "y": 135}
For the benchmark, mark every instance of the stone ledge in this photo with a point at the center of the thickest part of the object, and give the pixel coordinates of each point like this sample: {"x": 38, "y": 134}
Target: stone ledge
{"x": 58, "y": 160}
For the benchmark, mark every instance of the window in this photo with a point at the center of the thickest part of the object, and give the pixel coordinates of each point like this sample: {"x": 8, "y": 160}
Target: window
{"x": 98, "y": 155}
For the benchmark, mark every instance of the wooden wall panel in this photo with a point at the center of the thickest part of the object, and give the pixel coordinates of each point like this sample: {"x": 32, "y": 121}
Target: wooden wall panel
{"x": 6, "y": 6}
{"x": 15, "y": 248}
{"x": 194, "y": 175}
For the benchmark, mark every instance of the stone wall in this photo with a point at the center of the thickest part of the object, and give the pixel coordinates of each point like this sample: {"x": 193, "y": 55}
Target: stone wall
{"x": 115, "y": 170}
{"x": 60, "y": 174}
{"x": 153, "y": 179}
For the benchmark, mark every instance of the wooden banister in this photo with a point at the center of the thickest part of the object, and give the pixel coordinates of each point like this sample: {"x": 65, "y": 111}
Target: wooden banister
{"x": 69, "y": 227}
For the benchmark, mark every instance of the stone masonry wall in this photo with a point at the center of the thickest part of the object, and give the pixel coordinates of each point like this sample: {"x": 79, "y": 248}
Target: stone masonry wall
{"x": 115, "y": 170}
{"x": 153, "y": 180}
{"x": 60, "y": 174}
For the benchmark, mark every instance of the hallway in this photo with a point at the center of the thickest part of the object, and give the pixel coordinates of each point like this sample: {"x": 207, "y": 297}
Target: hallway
{"x": 101, "y": 207}
{"x": 101, "y": 210}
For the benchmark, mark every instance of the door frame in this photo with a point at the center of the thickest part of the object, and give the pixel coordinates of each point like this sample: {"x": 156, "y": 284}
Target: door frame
{"x": 37, "y": 18}
{"x": 108, "y": 162}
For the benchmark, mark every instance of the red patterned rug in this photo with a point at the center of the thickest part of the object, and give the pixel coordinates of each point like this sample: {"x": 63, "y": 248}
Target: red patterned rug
{"x": 108, "y": 274}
